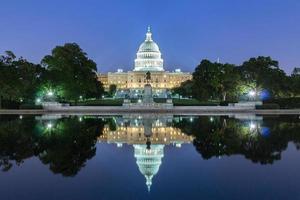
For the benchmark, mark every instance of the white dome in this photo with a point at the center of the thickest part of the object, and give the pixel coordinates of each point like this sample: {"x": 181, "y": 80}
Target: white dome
{"x": 149, "y": 46}
{"x": 148, "y": 56}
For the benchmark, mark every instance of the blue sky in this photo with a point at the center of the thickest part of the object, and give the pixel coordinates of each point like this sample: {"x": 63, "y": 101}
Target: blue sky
{"x": 187, "y": 31}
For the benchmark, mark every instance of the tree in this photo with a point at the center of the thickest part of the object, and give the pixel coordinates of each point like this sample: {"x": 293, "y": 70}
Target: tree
{"x": 70, "y": 68}
{"x": 229, "y": 82}
{"x": 112, "y": 90}
{"x": 185, "y": 89}
{"x": 295, "y": 82}
{"x": 9, "y": 82}
{"x": 215, "y": 81}
{"x": 206, "y": 80}
{"x": 19, "y": 78}
{"x": 29, "y": 75}
{"x": 266, "y": 74}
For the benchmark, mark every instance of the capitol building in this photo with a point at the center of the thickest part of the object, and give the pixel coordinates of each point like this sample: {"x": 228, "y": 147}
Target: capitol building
{"x": 148, "y": 59}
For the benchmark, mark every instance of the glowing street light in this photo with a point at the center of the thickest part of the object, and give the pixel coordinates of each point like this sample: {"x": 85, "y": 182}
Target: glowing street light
{"x": 38, "y": 100}
{"x": 50, "y": 93}
{"x": 252, "y": 93}
{"x": 252, "y": 126}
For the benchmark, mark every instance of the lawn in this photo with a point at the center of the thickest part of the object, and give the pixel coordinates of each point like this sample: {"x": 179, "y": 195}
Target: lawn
{"x": 100, "y": 102}
{"x": 194, "y": 102}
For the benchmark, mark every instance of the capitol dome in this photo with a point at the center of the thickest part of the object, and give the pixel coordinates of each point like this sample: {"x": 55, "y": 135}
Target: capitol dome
{"x": 148, "y": 55}
{"x": 149, "y": 46}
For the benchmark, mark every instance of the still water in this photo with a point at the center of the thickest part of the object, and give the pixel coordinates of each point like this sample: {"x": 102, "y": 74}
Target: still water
{"x": 149, "y": 157}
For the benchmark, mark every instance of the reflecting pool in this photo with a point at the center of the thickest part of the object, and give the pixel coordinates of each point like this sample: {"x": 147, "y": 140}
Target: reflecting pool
{"x": 149, "y": 157}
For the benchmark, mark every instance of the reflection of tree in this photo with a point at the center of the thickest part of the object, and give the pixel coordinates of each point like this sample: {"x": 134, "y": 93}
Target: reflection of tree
{"x": 17, "y": 141}
{"x": 221, "y": 136}
{"x": 66, "y": 146}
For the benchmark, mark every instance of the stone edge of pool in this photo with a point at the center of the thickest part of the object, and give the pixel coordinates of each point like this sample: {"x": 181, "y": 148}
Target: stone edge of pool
{"x": 113, "y": 110}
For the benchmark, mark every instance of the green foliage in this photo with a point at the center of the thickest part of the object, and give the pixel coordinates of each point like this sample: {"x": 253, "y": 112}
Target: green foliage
{"x": 295, "y": 83}
{"x": 215, "y": 81}
{"x": 19, "y": 79}
{"x": 193, "y": 102}
{"x": 100, "y": 102}
{"x": 267, "y": 106}
{"x": 112, "y": 90}
{"x": 285, "y": 103}
{"x": 185, "y": 89}
{"x": 30, "y": 106}
{"x": 227, "y": 82}
{"x": 266, "y": 74}
{"x": 69, "y": 67}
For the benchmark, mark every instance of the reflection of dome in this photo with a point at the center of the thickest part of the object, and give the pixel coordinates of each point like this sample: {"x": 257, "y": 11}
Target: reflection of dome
{"x": 148, "y": 55}
{"x": 148, "y": 160}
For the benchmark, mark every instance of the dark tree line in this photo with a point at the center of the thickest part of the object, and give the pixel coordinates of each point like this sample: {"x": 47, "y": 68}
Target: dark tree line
{"x": 19, "y": 79}
{"x": 228, "y": 82}
{"x": 65, "y": 147}
{"x": 225, "y": 136}
{"x": 67, "y": 72}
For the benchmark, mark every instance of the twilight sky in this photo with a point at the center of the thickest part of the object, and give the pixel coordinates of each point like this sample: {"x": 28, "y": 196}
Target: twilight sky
{"x": 186, "y": 31}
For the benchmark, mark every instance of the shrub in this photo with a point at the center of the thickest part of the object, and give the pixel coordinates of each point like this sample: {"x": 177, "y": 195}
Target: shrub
{"x": 160, "y": 100}
{"x": 285, "y": 103}
{"x": 30, "y": 106}
{"x": 268, "y": 106}
{"x": 99, "y": 102}
{"x": 193, "y": 102}
{"x": 226, "y": 103}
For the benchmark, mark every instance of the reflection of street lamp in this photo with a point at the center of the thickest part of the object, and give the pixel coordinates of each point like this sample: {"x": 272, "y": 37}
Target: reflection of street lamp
{"x": 38, "y": 100}
{"x": 49, "y": 125}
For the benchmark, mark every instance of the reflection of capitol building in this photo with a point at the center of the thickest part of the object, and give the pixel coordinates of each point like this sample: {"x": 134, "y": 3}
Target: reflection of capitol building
{"x": 148, "y": 58}
{"x": 148, "y": 135}
{"x": 148, "y": 160}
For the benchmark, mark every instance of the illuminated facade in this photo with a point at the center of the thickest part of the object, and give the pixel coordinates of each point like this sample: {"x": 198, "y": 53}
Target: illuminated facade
{"x": 148, "y": 135}
{"x": 148, "y": 58}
